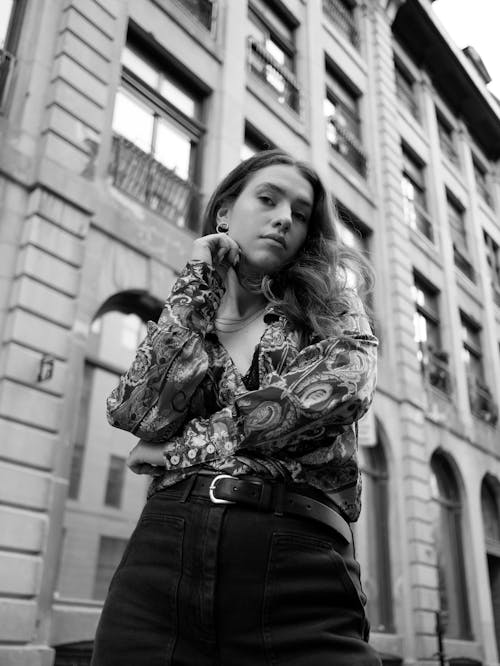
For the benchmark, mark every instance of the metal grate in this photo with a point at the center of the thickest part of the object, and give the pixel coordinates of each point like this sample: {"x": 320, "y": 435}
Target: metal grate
{"x": 279, "y": 79}
{"x": 202, "y": 10}
{"x": 342, "y": 15}
{"x": 7, "y": 62}
{"x": 347, "y": 145}
{"x": 139, "y": 175}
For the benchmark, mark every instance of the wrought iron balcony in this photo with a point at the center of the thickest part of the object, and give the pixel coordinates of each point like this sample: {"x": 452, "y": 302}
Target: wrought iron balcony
{"x": 342, "y": 15}
{"x": 434, "y": 363}
{"x": 481, "y": 401}
{"x": 7, "y": 61}
{"x": 347, "y": 145}
{"x": 418, "y": 218}
{"x": 448, "y": 148}
{"x": 139, "y": 175}
{"x": 280, "y": 80}
{"x": 202, "y": 10}
{"x": 463, "y": 264}
{"x": 496, "y": 295}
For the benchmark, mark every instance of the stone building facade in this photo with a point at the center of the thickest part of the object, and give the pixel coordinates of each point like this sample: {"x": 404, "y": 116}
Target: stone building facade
{"x": 117, "y": 118}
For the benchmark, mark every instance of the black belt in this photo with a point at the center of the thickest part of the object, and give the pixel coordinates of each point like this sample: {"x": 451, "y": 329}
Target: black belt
{"x": 266, "y": 495}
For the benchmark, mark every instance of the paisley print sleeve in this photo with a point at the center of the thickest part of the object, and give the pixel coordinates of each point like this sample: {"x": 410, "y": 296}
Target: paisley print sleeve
{"x": 329, "y": 384}
{"x": 153, "y": 396}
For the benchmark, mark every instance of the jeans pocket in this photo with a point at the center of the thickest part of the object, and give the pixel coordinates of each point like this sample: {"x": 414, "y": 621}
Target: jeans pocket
{"x": 308, "y": 594}
{"x": 139, "y": 618}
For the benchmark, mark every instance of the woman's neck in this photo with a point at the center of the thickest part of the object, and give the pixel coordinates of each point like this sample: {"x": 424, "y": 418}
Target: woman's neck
{"x": 239, "y": 302}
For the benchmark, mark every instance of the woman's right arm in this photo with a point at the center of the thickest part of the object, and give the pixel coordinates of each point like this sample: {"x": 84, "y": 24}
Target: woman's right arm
{"x": 152, "y": 397}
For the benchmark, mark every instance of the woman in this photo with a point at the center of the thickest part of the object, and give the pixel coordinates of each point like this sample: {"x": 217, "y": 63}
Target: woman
{"x": 245, "y": 397}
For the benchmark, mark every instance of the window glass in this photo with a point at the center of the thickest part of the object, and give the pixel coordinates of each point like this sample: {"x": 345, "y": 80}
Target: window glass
{"x": 6, "y": 7}
{"x": 173, "y": 149}
{"x": 140, "y": 67}
{"x": 491, "y": 517}
{"x": 114, "y": 484}
{"x": 178, "y": 97}
{"x": 109, "y": 555}
{"x": 133, "y": 120}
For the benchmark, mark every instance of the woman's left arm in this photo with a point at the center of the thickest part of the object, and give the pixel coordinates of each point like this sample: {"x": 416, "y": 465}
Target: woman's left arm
{"x": 330, "y": 383}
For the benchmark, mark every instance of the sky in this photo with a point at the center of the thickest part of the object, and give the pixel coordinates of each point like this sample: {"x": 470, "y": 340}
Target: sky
{"x": 474, "y": 23}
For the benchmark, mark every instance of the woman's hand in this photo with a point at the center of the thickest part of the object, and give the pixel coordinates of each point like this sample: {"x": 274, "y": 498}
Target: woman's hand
{"x": 146, "y": 459}
{"x": 218, "y": 250}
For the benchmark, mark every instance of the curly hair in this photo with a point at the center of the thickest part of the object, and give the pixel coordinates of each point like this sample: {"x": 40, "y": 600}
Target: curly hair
{"x": 315, "y": 288}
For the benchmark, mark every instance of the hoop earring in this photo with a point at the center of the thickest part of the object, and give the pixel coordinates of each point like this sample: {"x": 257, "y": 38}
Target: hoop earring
{"x": 222, "y": 227}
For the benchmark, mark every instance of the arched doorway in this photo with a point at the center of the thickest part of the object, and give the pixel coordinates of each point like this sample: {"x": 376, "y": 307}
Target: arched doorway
{"x": 491, "y": 521}
{"x": 448, "y": 538}
{"x": 104, "y": 497}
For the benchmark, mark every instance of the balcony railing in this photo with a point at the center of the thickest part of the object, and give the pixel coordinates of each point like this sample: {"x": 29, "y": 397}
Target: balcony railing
{"x": 481, "y": 401}
{"x": 202, "y": 10}
{"x": 447, "y": 148}
{"x": 280, "y": 80}
{"x": 434, "y": 364}
{"x": 347, "y": 145}
{"x": 139, "y": 175}
{"x": 496, "y": 295}
{"x": 463, "y": 264}
{"x": 342, "y": 16}
{"x": 418, "y": 218}
{"x": 7, "y": 61}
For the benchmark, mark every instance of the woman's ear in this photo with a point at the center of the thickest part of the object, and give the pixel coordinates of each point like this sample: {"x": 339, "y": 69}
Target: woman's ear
{"x": 222, "y": 225}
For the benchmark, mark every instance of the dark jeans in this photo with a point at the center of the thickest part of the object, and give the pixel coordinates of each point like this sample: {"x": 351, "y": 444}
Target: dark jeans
{"x": 223, "y": 585}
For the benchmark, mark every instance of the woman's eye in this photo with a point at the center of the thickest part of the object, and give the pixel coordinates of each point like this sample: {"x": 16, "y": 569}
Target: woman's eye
{"x": 301, "y": 217}
{"x": 267, "y": 200}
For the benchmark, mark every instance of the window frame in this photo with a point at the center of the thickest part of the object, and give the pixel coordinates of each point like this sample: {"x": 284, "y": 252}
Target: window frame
{"x": 262, "y": 18}
{"x": 414, "y": 172}
{"x": 411, "y": 101}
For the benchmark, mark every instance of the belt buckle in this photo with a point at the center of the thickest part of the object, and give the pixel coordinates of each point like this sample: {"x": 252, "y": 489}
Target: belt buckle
{"x": 212, "y": 487}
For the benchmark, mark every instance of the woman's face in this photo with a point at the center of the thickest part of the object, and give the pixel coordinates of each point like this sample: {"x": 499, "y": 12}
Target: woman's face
{"x": 270, "y": 217}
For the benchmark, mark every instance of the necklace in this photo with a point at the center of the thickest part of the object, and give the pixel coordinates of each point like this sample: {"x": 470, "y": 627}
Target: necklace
{"x": 231, "y": 325}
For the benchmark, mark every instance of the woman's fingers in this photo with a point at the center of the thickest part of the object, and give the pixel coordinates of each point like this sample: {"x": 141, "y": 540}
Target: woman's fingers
{"x": 218, "y": 249}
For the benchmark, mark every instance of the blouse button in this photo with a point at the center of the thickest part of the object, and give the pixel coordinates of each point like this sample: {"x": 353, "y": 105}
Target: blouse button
{"x": 210, "y": 448}
{"x": 191, "y": 453}
{"x": 174, "y": 460}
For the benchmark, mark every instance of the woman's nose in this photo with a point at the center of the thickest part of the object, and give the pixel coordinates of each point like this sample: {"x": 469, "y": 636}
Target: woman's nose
{"x": 283, "y": 217}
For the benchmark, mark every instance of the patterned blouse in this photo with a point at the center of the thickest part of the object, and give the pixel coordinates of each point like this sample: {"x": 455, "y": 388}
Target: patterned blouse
{"x": 293, "y": 416}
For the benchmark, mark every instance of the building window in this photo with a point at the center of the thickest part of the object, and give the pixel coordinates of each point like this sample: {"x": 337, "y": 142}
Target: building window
{"x": 414, "y": 196}
{"x": 343, "y": 123}
{"x": 406, "y": 90}
{"x": 493, "y": 259}
{"x": 254, "y": 142}
{"x": 11, "y": 17}
{"x": 482, "y": 186}
{"x": 354, "y": 234}
{"x": 157, "y": 130}
{"x": 449, "y": 545}
{"x": 461, "y": 254}
{"x": 114, "y": 484}
{"x": 376, "y": 499}
{"x": 427, "y": 327}
{"x": 272, "y": 53}
{"x": 202, "y": 10}
{"x": 480, "y": 397}
{"x": 110, "y": 553}
{"x": 342, "y": 14}
{"x": 447, "y": 139}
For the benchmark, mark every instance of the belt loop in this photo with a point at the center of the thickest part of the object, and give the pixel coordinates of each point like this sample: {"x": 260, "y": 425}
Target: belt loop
{"x": 280, "y": 491}
{"x": 191, "y": 480}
